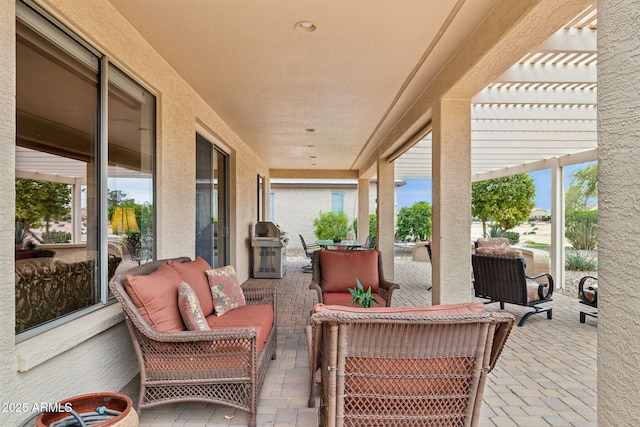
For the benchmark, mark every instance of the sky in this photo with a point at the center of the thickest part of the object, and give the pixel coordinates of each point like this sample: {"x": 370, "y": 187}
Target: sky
{"x": 419, "y": 189}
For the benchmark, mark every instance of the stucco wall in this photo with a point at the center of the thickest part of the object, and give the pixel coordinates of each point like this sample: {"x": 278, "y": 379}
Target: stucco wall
{"x": 100, "y": 357}
{"x": 295, "y": 208}
{"x": 619, "y": 213}
{"x": 8, "y": 373}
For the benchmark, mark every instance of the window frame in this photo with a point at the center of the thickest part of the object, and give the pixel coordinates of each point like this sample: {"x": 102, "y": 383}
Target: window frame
{"x": 37, "y": 18}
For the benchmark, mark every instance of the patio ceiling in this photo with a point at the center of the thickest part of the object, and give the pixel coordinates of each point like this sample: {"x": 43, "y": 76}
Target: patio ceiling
{"x": 325, "y": 100}
{"x": 543, "y": 107}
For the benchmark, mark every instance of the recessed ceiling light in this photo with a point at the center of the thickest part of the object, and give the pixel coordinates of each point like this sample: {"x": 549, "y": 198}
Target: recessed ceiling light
{"x": 305, "y": 27}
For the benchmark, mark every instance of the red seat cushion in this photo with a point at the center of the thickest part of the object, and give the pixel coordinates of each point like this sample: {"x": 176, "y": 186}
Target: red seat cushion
{"x": 259, "y": 317}
{"x": 341, "y": 269}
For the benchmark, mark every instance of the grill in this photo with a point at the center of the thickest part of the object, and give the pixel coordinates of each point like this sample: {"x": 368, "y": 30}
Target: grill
{"x": 269, "y": 244}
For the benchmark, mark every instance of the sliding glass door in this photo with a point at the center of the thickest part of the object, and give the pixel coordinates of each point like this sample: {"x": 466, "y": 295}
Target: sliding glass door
{"x": 212, "y": 237}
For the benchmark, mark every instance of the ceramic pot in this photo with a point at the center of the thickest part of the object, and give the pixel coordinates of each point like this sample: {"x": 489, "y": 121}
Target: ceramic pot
{"x": 89, "y": 403}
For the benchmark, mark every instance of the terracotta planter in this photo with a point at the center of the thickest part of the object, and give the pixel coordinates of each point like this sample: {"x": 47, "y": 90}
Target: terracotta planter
{"x": 89, "y": 403}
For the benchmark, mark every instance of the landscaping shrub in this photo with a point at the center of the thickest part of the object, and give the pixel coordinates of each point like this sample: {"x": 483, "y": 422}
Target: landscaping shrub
{"x": 56, "y": 237}
{"x": 580, "y": 261}
{"x": 331, "y": 225}
{"x": 581, "y": 229}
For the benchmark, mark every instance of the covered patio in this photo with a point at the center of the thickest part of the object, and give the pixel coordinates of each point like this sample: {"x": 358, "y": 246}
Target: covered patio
{"x": 546, "y": 375}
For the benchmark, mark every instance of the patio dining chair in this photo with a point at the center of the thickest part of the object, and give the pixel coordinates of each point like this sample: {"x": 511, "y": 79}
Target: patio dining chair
{"x": 308, "y": 251}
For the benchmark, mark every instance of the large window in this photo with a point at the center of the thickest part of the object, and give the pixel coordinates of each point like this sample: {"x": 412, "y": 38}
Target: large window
{"x": 65, "y": 247}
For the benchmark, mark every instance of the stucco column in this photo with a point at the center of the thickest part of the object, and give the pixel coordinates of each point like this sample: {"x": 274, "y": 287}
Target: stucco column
{"x": 618, "y": 213}
{"x": 266, "y": 199}
{"x": 451, "y": 163}
{"x": 385, "y": 214}
{"x": 363, "y": 209}
{"x": 557, "y": 224}
{"x": 8, "y": 370}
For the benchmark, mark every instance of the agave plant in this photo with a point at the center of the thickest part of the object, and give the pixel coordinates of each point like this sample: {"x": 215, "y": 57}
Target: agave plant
{"x": 22, "y": 232}
{"x": 361, "y": 297}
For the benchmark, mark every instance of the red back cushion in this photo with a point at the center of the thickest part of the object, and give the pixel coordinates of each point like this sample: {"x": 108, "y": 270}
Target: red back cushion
{"x": 341, "y": 269}
{"x": 194, "y": 274}
{"x": 156, "y": 297}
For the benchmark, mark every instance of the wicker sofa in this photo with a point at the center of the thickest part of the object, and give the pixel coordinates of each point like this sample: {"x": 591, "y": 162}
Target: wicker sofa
{"x": 225, "y": 365}
{"x": 403, "y": 366}
{"x": 334, "y": 272}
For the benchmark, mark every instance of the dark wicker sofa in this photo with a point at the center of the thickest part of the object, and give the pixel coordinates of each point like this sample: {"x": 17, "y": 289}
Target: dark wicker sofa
{"x": 225, "y": 366}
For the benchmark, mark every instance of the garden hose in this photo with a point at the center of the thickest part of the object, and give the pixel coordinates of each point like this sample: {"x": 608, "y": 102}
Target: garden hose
{"x": 87, "y": 419}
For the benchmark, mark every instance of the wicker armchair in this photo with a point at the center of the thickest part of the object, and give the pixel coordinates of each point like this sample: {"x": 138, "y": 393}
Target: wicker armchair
{"x": 588, "y": 295}
{"x": 334, "y": 272}
{"x": 404, "y": 369}
{"x": 502, "y": 279}
{"x": 219, "y": 366}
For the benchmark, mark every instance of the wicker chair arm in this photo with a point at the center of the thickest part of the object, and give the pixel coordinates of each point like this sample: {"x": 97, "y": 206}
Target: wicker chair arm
{"x": 504, "y": 325}
{"x": 263, "y": 294}
{"x": 315, "y": 286}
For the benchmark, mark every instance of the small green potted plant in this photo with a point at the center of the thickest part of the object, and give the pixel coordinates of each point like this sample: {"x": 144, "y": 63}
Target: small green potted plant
{"x": 361, "y": 297}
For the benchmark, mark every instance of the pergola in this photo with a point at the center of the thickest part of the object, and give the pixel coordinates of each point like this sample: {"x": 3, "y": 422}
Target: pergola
{"x": 539, "y": 114}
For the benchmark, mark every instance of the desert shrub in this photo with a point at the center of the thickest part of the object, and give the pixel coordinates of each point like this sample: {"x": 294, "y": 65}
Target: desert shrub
{"x": 581, "y": 229}
{"x": 56, "y": 237}
{"x": 580, "y": 261}
{"x": 513, "y": 236}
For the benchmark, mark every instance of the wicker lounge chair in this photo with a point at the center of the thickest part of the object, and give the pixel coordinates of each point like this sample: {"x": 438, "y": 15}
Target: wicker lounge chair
{"x": 380, "y": 369}
{"x": 334, "y": 272}
{"x": 222, "y": 366}
{"x": 588, "y": 295}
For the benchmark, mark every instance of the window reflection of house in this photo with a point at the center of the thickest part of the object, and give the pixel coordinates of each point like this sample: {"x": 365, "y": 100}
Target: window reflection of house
{"x": 58, "y": 86}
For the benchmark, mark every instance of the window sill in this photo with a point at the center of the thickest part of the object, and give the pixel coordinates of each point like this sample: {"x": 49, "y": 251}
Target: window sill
{"x": 43, "y": 347}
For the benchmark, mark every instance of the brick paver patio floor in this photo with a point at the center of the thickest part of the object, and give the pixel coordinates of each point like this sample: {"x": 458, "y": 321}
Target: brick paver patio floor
{"x": 546, "y": 375}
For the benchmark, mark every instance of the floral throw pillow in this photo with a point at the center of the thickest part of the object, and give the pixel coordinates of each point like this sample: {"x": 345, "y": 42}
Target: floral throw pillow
{"x": 225, "y": 289}
{"x": 190, "y": 309}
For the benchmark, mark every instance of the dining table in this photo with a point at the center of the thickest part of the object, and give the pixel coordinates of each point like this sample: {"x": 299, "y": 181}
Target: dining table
{"x": 339, "y": 244}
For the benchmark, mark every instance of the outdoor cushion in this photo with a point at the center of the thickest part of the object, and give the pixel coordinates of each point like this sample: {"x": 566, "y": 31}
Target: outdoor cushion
{"x": 500, "y": 251}
{"x": 155, "y": 296}
{"x": 193, "y": 273}
{"x": 190, "y": 309}
{"x": 225, "y": 289}
{"x": 493, "y": 242}
{"x": 341, "y": 269}
{"x": 532, "y": 291}
{"x": 257, "y": 316}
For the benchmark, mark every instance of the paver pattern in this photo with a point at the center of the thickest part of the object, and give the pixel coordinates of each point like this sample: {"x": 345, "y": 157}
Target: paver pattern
{"x": 546, "y": 375}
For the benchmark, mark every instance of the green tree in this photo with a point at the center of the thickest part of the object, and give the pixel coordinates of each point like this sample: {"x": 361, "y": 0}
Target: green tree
{"x": 507, "y": 201}
{"x": 414, "y": 222}
{"x": 41, "y": 201}
{"x": 583, "y": 190}
{"x": 331, "y": 225}
{"x": 581, "y": 221}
